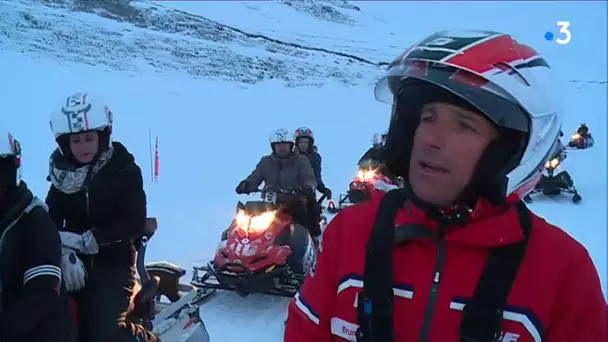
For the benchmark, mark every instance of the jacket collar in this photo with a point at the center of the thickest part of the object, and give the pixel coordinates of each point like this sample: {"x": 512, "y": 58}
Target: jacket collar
{"x": 483, "y": 225}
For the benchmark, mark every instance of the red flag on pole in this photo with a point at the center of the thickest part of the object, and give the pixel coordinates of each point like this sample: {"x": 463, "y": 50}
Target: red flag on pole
{"x": 156, "y": 162}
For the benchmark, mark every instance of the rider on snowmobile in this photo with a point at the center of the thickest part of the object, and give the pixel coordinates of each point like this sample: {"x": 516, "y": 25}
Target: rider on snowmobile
{"x": 374, "y": 158}
{"x": 285, "y": 168}
{"x": 31, "y": 305}
{"x": 98, "y": 204}
{"x": 582, "y": 139}
{"x": 374, "y": 154}
{"x": 305, "y": 142}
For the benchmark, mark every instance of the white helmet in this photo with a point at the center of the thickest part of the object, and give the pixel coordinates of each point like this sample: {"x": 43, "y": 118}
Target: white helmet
{"x": 80, "y": 113}
{"x": 10, "y": 149}
{"x": 279, "y": 136}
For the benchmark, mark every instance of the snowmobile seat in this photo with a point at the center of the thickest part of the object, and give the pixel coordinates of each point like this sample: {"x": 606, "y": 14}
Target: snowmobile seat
{"x": 166, "y": 267}
{"x": 168, "y": 275}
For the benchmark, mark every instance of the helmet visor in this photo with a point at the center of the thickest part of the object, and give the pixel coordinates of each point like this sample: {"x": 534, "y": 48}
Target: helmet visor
{"x": 492, "y": 100}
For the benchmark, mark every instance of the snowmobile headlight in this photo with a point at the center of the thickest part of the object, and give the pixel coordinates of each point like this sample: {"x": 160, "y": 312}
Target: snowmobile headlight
{"x": 552, "y": 164}
{"x": 242, "y": 220}
{"x": 254, "y": 224}
{"x": 366, "y": 175}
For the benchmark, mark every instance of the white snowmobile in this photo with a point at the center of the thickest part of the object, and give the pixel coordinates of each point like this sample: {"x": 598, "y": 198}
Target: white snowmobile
{"x": 176, "y": 320}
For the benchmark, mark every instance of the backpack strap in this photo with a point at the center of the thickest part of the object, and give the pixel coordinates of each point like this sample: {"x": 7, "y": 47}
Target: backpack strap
{"x": 375, "y": 302}
{"x": 482, "y": 316}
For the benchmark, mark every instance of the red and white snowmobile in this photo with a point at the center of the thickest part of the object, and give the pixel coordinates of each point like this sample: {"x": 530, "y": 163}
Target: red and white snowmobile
{"x": 177, "y": 319}
{"x": 359, "y": 188}
{"x": 262, "y": 251}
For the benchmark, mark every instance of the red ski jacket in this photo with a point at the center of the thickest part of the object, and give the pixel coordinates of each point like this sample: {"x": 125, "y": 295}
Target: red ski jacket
{"x": 556, "y": 296}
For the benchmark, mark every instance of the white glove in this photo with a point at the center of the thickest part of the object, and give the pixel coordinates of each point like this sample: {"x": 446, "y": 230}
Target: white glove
{"x": 85, "y": 243}
{"x": 74, "y": 273}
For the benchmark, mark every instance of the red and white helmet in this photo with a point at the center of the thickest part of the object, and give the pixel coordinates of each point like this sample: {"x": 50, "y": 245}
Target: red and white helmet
{"x": 510, "y": 83}
{"x": 10, "y": 150}
{"x": 79, "y": 113}
{"x": 303, "y": 132}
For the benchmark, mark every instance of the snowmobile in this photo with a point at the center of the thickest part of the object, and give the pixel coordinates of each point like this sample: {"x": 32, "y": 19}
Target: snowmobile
{"x": 358, "y": 189}
{"x": 581, "y": 139}
{"x": 552, "y": 183}
{"x": 176, "y": 320}
{"x": 262, "y": 251}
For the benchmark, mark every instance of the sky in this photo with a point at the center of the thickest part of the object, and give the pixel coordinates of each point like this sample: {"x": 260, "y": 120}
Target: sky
{"x": 213, "y": 132}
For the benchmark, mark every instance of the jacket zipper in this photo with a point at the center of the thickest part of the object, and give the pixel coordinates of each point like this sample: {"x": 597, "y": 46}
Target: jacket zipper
{"x": 431, "y": 302}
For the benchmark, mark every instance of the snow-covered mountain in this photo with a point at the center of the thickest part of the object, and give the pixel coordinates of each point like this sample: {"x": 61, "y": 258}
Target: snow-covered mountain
{"x": 211, "y": 79}
{"x": 147, "y": 37}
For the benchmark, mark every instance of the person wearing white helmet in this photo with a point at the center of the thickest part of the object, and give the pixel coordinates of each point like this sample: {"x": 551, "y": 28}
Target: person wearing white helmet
{"x": 286, "y": 169}
{"x": 455, "y": 254}
{"x": 32, "y": 307}
{"x": 98, "y": 203}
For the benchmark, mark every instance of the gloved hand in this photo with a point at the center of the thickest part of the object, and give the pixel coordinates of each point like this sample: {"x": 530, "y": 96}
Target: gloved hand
{"x": 243, "y": 188}
{"x": 326, "y": 192}
{"x": 85, "y": 243}
{"x": 74, "y": 273}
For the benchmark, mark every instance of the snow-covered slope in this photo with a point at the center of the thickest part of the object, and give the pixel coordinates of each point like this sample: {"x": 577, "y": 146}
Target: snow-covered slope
{"x": 146, "y": 37}
{"x": 212, "y": 87}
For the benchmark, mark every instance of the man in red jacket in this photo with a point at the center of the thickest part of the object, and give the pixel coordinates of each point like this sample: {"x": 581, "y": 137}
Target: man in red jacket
{"x": 455, "y": 255}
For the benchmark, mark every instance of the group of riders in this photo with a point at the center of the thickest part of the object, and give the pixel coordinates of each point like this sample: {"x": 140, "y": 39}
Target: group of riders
{"x": 67, "y": 264}
{"x": 464, "y": 151}
{"x": 294, "y": 164}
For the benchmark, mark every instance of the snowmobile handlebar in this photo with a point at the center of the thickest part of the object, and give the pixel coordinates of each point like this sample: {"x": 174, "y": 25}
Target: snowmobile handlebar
{"x": 280, "y": 191}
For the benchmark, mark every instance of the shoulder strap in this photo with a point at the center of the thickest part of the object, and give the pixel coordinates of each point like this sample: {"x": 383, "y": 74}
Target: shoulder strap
{"x": 375, "y": 303}
{"x": 482, "y": 316}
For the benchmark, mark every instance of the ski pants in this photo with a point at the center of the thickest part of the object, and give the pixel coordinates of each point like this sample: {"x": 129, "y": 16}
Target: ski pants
{"x": 308, "y": 214}
{"x": 103, "y": 305}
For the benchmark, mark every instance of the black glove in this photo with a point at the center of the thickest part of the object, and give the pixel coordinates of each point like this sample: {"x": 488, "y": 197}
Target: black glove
{"x": 243, "y": 188}
{"x": 326, "y": 192}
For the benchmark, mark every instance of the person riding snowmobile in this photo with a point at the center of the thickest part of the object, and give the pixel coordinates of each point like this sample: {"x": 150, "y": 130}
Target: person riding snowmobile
{"x": 374, "y": 154}
{"x": 305, "y": 142}
{"x": 582, "y": 139}
{"x": 98, "y": 203}
{"x": 455, "y": 255}
{"x": 285, "y": 168}
{"x": 32, "y": 307}
{"x": 374, "y": 158}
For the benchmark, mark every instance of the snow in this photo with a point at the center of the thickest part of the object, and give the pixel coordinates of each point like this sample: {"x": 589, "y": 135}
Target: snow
{"x": 212, "y": 94}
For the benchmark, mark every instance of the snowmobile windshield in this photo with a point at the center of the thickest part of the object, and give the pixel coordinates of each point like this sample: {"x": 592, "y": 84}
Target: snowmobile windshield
{"x": 489, "y": 98}
{"x": 368, "y": 163}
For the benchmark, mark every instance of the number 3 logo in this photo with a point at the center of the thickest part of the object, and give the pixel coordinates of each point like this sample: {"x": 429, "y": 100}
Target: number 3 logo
{"x": 564, "y": 25}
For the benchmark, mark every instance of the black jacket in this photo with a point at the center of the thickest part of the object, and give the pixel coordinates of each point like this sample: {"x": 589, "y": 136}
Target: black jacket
{"x": 315, "y": 161}
{"x": 32, "y": 308}
{"x": 112, "y": 204}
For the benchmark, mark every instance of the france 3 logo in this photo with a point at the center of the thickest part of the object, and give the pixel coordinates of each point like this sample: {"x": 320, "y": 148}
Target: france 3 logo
{"x": 565, "y": 35}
